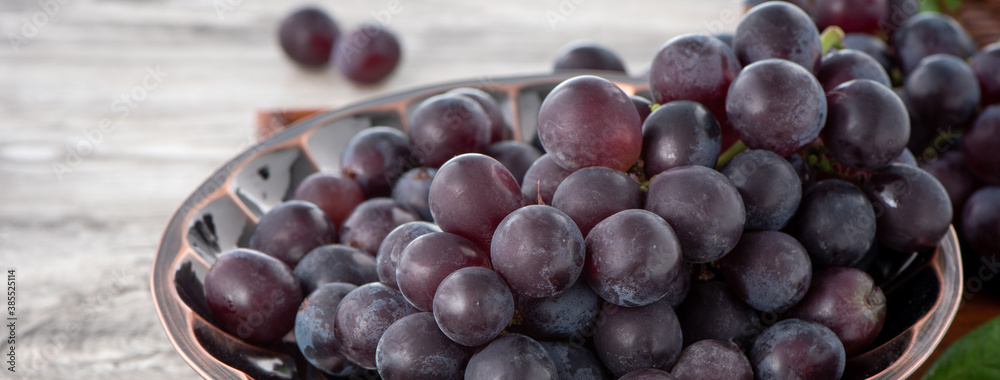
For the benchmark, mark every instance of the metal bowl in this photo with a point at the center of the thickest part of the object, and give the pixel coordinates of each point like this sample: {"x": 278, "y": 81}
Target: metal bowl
{"x": 923, "y": 290}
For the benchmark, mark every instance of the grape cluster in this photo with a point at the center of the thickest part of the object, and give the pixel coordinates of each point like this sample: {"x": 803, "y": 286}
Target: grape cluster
{"x": 722, "y": 229}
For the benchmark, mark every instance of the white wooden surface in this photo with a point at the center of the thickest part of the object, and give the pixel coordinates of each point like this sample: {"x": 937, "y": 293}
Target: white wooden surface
{"x": 80, "y": 217}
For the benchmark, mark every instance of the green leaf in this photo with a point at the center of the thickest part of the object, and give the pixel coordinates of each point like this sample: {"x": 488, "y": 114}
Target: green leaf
{"x": 975, "y": 356}
{"x": 832, "y": 37}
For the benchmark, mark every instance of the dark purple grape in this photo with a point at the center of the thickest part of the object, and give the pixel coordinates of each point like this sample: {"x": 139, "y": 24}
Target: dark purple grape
{"x": 980, "y": 145}
{"x": 648, "y": 374}
{"x": 512, "y": 356}
{"x": 703, "y": 207}
{"x": 906, "y": 158}
{"x": 835, "y": 223}
{"x": 981, "y": 221}
{"x": 843, "y": 65}
{"x": 498, "y": 126}
{"x": 778, "y": 30}
{"x": 986, "y": 65}
{"x": 393, "y": 245}
{"x": 680, "y": 133}
{"x": 473, "y": 305}
{"x": 314, "y": 330}
{"x": 363, "y": 315}
{"x": 912, "y": 209}
{"x": 516, "y": 156}
{"x": 292, "y": 229}
{"x": 642, "y": 106}
{"x": 334, "y": 193}
{"x": 335, "y": 263}
{"x": 958, "y": 180}
{"x": 371, "y": 221}
{"x": 900, "y": 11}
{"x": 926, "y": 34}
{"x": 713, "y": 311}
{"x": 411, "y": 191}
{"x": 867, "y": 125}
{"x": 874, "y": 46}
{"x": 566, "y": 317}
{"x": 710, "y": 360}
{"x": 574, "y": 361}
{"x": 769, "y": 186}
{"x": 694, "y": 67}
{"x": 252, "y": 295}
{"x": 471, "y": 194}
{"x": 632, "y": 258}
{"x": 376, "y": 157}
{"x": 631, "y": 338}
{"x": 802, "y": 169}
{"x": 769, "y": 270}
{"x": 776, "y": 105}
{"x": 943, "y": 94}
{"x": 413, "y": 348}
{"x": 584, "y": 55}
{"x": 447, "y": 125}
{"x": 847, "y": 301}
{"x": 542, "y": 179}
{"x": 592, "y": 194}
{"x": 308, "y": 36}
{"x": 797, "y": 349}
{"x": 367, "y": 54}
{"x": 538, "y": 250}
{"x": 589, "y": 121}
{"x": 430, "y": 258}
{"x": 853, "y": 16}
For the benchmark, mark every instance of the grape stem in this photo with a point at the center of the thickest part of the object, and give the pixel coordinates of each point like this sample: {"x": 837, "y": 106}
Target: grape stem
{"x": 728, "y": 155}
{"x": 832, "y": 37}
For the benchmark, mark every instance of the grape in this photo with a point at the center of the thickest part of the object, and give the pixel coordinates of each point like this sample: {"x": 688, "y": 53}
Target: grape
{"x": 292, "y": 229}
{"x": 592, "y": 194}
{"x": 694, "y": 67}
{"x": 900, "y": 11}
{"x": 769, "y": 186}
{"x": 648, "y": 374}
{"x": 802, "y": 169}
{"x": 498, "y": 127}
{"x": 980, "y": 143}
{"x": 308, "y": 36}
{"x": 943, "y": 94}
{"x": 912, "y": 209}
{"x": 376, "y": 157}
{"x": 776, "y": 105}
{"x": 778, "y": 30}
{"x": 853, "y": 16}
{"x": 926, "y": 34}
{"x": 512, "y": 356}
{"x": 542, "y": 179}
{"x": 847, "y": 301}
{"x": 632, "y": 256}
{"x": 371, "y": 221}
{"x": 566, "y": 316}
{"x": 642, "y": 106}
{"x": 584, "y": 55}
{"x": 516, "y": 156}
{"x": 874, "y": 46}
{"x": 906, "y": 158}
{"x": 589, "y": 121}
{"x": 844, "y": 65}
{"x": 986, "y": 65}
{"x": 867, "y": 125}
{"x": 414, "y": 348}
{"x": 473, "y": 305}
{"x": 702, "y": 206}
{"x": 252, "y": 295}
{"x": 835, "y": 223}
{"x": 710, "y": 360}
{"x": 981, "y": 220}
{"x": 393, "y": 245}
{"x": 447, "y": 125}
{"x": 631, "y": 338}
{"x": 797, "y": 349}
{"x": 430, "y": 258}
{"x": 951, "y": 170}
{"x": 538, "y": 250}
{"x": 680, "y": 133}
{"x": 725, "y": 37}
{"x": 574, "y": 361}
{"x": 769, "y": 270}
{"x": 713, "y": 311}
{"x": 411, "y": 191}
{"x": 334, "y": 193}
{"x": 314, "y": 330}
{"x": 363, "y": 315}
{"x": 471, "y": 194}
{"x": 367, "y": 54}
{"x": 335, "y": 263}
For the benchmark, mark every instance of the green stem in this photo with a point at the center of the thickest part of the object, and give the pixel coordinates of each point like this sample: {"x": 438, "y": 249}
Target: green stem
{"x": 832, "y": 37}
{"x": 728, "y": 155}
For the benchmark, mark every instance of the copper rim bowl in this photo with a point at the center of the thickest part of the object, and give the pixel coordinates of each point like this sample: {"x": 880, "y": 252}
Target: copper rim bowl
{"x": 923, "y": 289}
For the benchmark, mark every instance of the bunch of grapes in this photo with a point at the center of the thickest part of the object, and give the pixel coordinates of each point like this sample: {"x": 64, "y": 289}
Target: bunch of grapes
{"x": 726, "y": 228}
